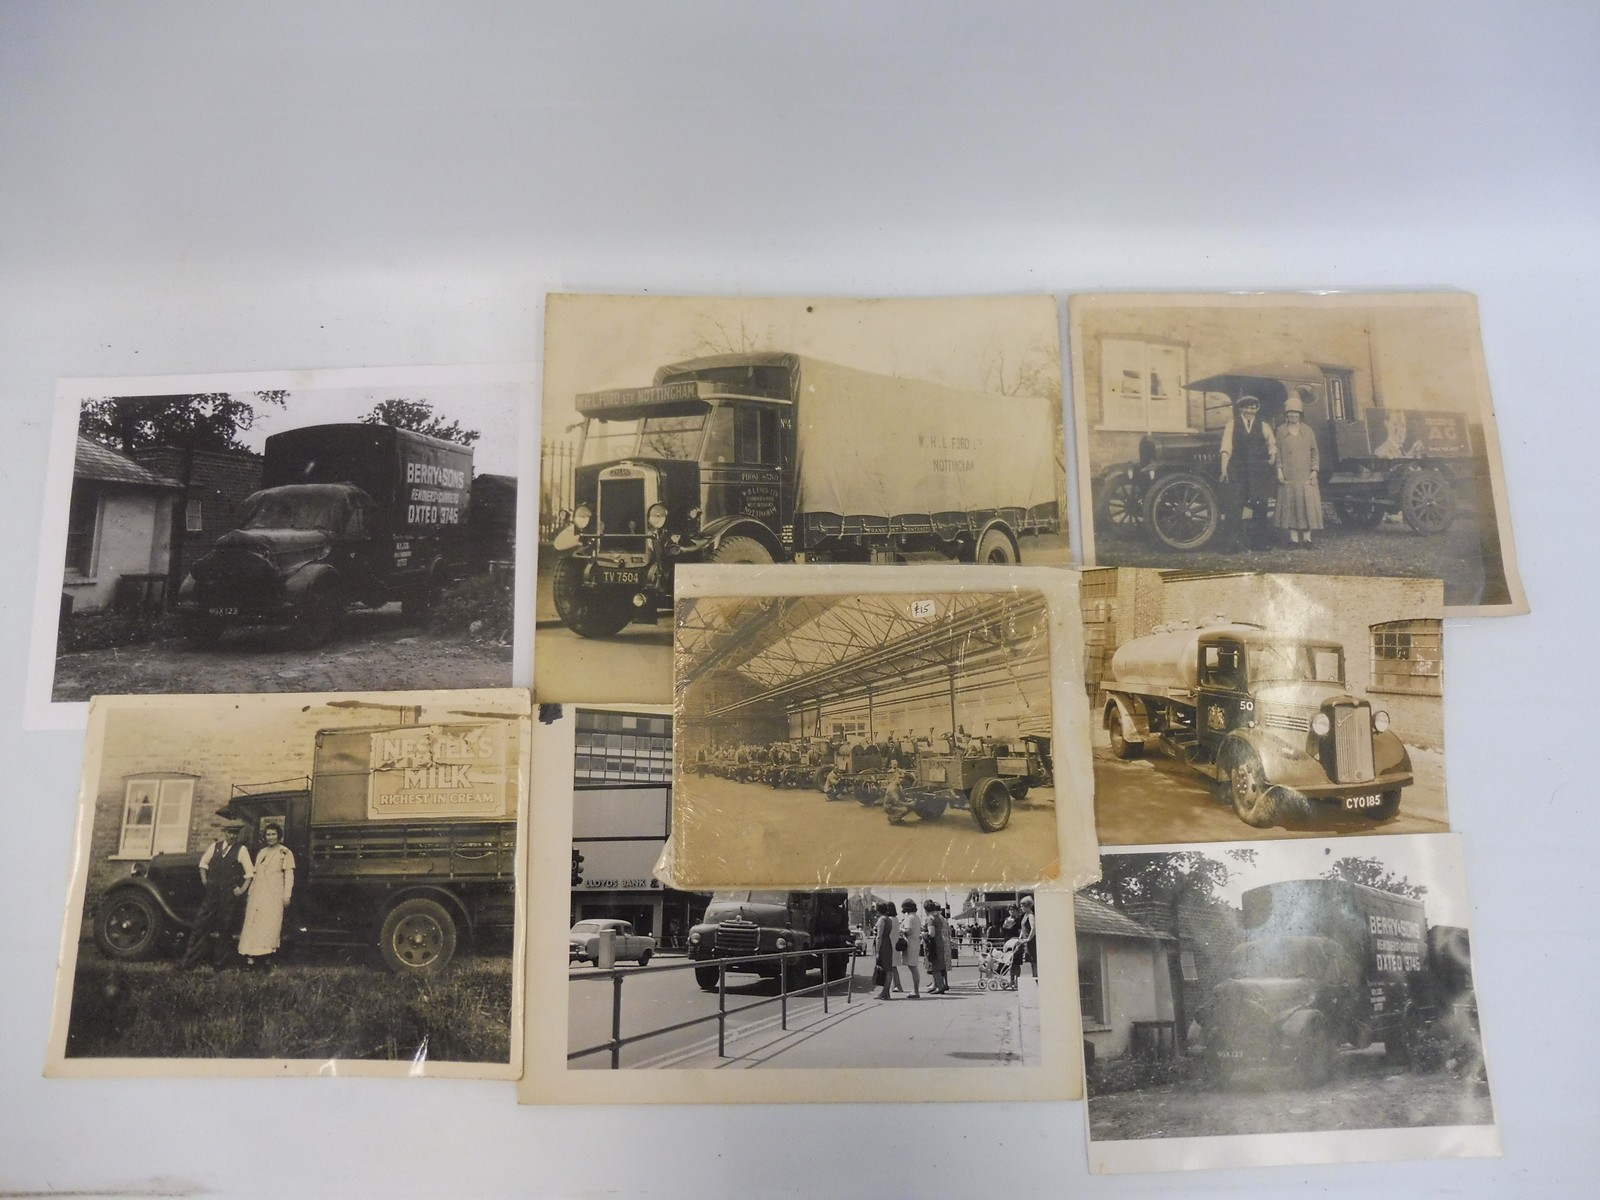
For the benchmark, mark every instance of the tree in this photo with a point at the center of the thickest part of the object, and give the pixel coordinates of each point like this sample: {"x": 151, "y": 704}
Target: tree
{"x": 1171, "y": 878}
{"x": 1374, "y": 874}
{"x": 203, "y": 421}
{"x": 418, "y": 416}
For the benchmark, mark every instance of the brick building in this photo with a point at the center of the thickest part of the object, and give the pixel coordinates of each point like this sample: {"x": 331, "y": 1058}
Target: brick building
{"x": 119, "y": 522}
{"x": 214, "y": 486}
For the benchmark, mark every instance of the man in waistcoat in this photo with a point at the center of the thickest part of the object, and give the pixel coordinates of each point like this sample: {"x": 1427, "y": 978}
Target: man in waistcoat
{"x": 1249, "y": 472}
{"x": 225, "y": 871}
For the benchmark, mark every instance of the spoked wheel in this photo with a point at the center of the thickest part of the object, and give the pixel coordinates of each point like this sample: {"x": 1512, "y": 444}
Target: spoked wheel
{"x": 1117, "y": 511}
{"x": 1428, "y": 502}
{"x": 1182, "y": 511}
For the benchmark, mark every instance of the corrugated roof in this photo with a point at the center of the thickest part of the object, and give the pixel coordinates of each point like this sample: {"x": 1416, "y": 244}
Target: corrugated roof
{"x": 1091, "y": 916}
{"x": 105, "y": 465}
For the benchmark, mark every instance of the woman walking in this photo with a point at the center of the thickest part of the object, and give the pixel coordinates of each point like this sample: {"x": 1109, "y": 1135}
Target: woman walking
{"x": 910, "y": 944}
{"x": 270, "y": 892}
{"x": 1299, "y": 497}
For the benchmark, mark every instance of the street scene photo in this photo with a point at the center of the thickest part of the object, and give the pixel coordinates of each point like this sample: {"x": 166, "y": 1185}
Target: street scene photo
{"x": 262, "y": 533}
{"x": 1280, "y": 988}
{"x": 681, "y": 430}
{"x": 1333, "y": 434}
{"x": 270, "y": 880}
{"x": 1232, "y": 705}
{"x": 853, "y": 740}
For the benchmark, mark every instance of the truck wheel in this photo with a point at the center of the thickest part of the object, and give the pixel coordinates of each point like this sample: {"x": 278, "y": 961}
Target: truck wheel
{"x": 1120, "y": 745}
{"x": 588, "y": 612}
{"x": 738, "y": 549}
{"x": 1388, "y": 808}
{"x": 821, "y": 779}
{"x": 1182, "y": 511}
{"x": 644, "y": 958}
{"x": 991, "y": 804}
{"x": 1018, "y": 788}
{"x": 317, "y": 618}
{"x": 1428, "y": 501}
{"x": 203, "y": 632}
{"x": 1117, "y": 511}
{"x": 706, "y": 977}
{"x": 930, "y": 808}
{"x": 1249, "y": 790}
{"x": 129, "y": 926}
{"x": 1359, "y": 514}
{"x": 994, "y": 549}
{"x": 1315, "y": 1056}
{"x": 418, "y": 938}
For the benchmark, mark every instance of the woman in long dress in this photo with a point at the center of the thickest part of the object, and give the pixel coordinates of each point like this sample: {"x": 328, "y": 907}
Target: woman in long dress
{"x": 270, "y": 892}
{"x": 1299, "y": 497}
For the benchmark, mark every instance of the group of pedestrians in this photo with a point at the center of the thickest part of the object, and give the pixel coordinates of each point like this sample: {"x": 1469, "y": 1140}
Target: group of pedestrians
{"x": 899, "y": 943}
{"x": 263, "y": 885}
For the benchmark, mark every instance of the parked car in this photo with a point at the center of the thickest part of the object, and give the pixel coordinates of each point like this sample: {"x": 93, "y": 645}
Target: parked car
{"x": 583, "y": 943}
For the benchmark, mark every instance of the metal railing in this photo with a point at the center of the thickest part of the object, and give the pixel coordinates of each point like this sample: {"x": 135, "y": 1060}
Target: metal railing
{"x": 617, "y": 977}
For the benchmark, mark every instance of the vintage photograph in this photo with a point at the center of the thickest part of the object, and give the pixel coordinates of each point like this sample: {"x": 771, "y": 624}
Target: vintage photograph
{"x": 844, "y": 994}
{"x": 869, "y": 738}
{"x": 680, "y": 430}
{"x": 1283, "y": 1002}
{"x": 296, "y": 532}
{"x": 1231, "y": 705}
{"x": 1340, "y": 434}
{"x": 267, "y": 884}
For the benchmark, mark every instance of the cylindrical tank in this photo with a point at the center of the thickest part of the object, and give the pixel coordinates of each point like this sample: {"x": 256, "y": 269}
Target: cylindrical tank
{"x": 1160, "y": 662}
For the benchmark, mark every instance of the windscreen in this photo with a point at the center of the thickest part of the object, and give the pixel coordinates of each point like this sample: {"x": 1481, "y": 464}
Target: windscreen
{"x": 297, "y": 508}
{"x": 1289, "y": 958}
{"x": 1292, "y": 661}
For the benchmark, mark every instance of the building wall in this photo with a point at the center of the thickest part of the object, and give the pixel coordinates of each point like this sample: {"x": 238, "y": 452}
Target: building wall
{"x": 220, "y": 480}
{"x": 1207, "y": 932}
{"x": 132, "y": 537}
{"x": 1137, "y": 988}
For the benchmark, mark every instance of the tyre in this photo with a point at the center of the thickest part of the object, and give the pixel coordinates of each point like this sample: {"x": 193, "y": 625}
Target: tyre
{"x": 706, "y": 977}
{"x": 1116, "y": 512}
{"x": 1018, "y": 788}
{"x": 1249, "y": 791}
{"x": 991, "y": 804}
{"x": 1428, "y": 501}
{"x": 317, "y": 617}
{"x": 129, "y": 926}
{"x": 821, "y": 779}
{"x": 644, "y": 957}
{"x": 1315, "y": 1056}
{"x": 740, "y": 549}
{"x": 588, "y": 612}
{"x": 203, "y": 632}
{"x": 418, "y": 938}
{"x": 1359, "y": 514}
{"x": 930, "y": 808}
{"x": 995, "y": 549}
{"x": 1183, "y": 511}
{"x": 1120, "y": 745}
{"x": 1388, "y": 808}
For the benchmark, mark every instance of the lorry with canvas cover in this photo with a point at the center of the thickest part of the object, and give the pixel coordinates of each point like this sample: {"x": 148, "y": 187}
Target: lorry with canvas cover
{"x": 774, "y": 457}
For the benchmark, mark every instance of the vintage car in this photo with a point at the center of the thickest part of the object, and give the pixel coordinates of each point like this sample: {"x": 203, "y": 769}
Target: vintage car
{"x": 1375, "y": 461}
{"x": 583, "y": 942}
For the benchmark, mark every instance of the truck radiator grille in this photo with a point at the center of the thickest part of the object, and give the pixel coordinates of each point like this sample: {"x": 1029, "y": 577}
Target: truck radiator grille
{"x": 622, "y": 506}
{"x": 1352, "y": 744}
{"x": 738, "y": 937}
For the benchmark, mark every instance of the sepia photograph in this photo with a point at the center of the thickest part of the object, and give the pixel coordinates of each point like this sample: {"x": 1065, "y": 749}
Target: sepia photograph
{"x": 870, "y": 738}
{"x": 285, "y": 532}
{"x": 1229, "y": 706}
{"x": 842, "y": 994}
{"x": 297, "y": 885}
{"x": 683, "y": 430}
{"x": 1283, "y": 1002}
{"x": 1340, "y": 434}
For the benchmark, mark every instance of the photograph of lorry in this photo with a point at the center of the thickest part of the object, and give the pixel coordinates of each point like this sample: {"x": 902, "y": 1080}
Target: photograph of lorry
{"x": 404, "y": 840}
{"x": 777, "y": 457}
{"x": 738, "y": 924}
{"x": 1266, "y": 718}
{"x": 1326, "y": 963}
{"x": 347, "y": 514}
{"x": 1375, "y": 461}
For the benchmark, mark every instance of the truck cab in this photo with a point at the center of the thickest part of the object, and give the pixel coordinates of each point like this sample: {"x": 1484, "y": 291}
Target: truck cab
{"x": 747, "y": 923}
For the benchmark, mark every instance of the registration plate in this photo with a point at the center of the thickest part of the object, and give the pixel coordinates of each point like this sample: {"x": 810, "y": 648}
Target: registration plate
{"x": 223, "y": 610}
{"x": 1355, "y": 803}
{"x": 625, "y": 576}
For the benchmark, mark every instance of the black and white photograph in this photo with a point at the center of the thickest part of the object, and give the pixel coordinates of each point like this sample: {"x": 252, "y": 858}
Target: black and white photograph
{"x": 297, "y": 885}
{"x": 1283, "y": 1002}
{"x": 1340, "y": 434}
{"x": 847, "y": 993}
{"x": 874, "y": 737}
{"x": 287, "y": 532}
{"x": 681, "y": 430}
{"x": 1230, "y": 706}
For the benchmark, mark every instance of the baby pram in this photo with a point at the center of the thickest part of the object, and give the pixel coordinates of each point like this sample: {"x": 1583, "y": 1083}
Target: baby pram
{"x": 994, "y": 967}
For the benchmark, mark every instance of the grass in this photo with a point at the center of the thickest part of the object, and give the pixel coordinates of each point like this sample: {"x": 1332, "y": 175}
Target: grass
{"x": 156, "y": 1010}
{"x": 478, "y": 607}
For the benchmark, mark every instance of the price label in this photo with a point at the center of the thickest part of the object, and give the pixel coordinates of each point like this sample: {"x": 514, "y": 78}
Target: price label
{"x": 921, "y": 610}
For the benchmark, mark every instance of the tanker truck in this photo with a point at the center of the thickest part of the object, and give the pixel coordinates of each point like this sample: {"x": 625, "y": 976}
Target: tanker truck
{"x": 1326, "y": 963}
{"x": 1266, "y": 718}
{"x": 775, "y": 457}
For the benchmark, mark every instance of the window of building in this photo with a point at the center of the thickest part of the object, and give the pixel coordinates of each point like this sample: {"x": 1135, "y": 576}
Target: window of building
{"x": 1141, "y": 386}
{"x": 192, "y": 516}
{"x": 1186, "y": 963}
{"x": 612, "y": 748}
{"x": 83, "y": 520}
{"x": 1407, "y": 657}
{"x": 155, "y": 817}
{"x": 1091, "y": 985}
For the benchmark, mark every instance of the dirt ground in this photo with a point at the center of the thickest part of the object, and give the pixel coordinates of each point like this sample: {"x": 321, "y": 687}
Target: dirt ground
{"x": 373, "y": 650}
{"x": 1366, "y": 1093}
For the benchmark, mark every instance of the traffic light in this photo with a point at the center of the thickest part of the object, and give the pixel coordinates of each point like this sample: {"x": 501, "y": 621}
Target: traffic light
{"x": 577, "y": 866}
